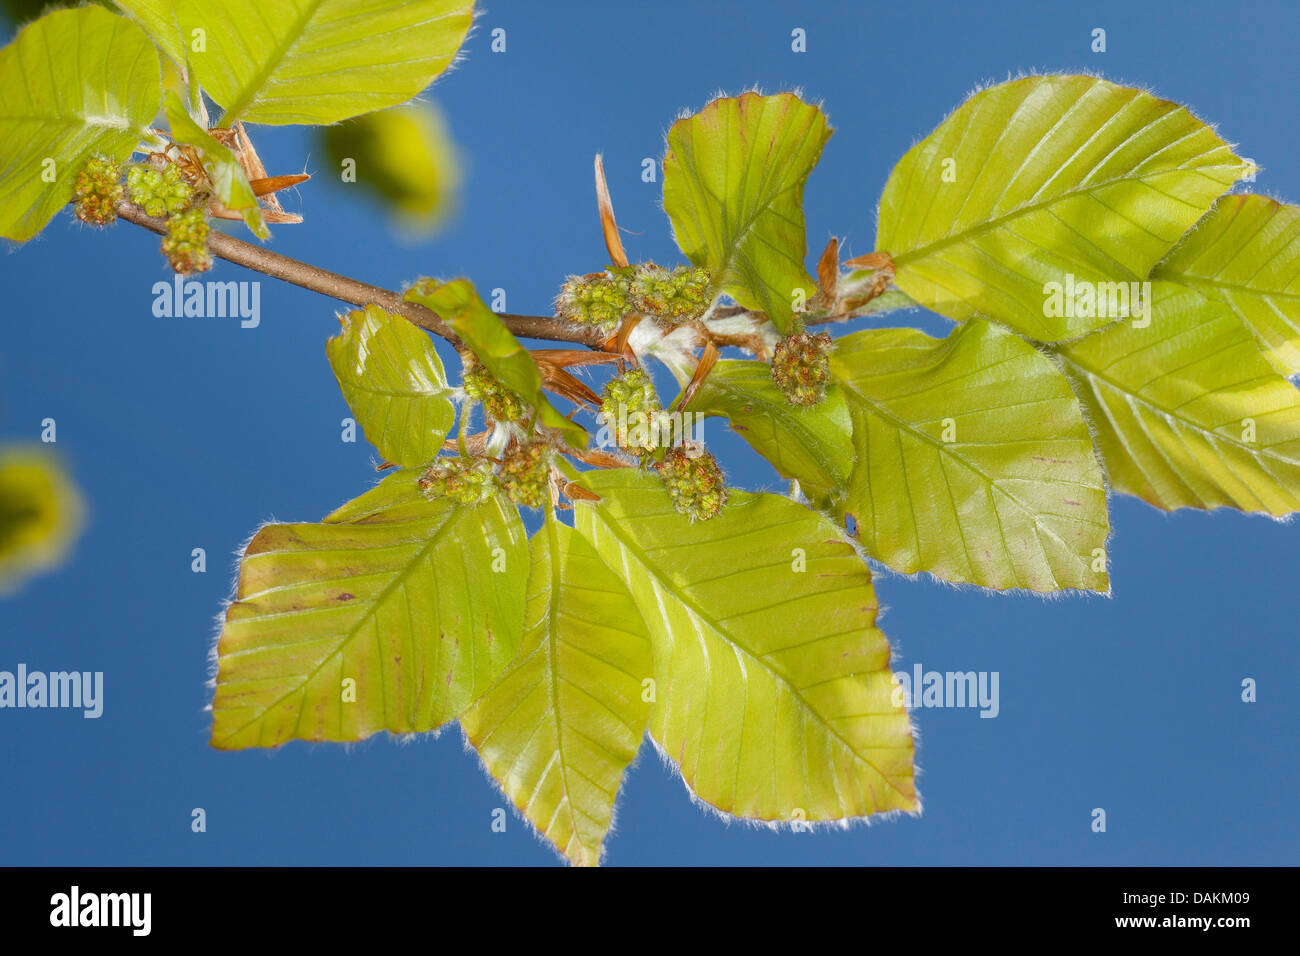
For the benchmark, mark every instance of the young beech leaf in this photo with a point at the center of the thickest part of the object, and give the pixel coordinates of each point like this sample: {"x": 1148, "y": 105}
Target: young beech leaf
{"x": 74, "y": 84}
{"x": 1043, "y": 177}
{"x": 318, "y": 61}
{"x": 733, "y": 189}
{"x": 392, "y": 379}
{"x": 390, "y": 615}
{"x": 774, "y": 695}
{"x": 560, "y": 727}
{"x": 222, "y": 165}
{"x": 495, "y": 347}
{"x": 971, "y": 459}
{"x": 1246, "y": 254}
{"x": 1187, "y": 412}
{"x": 965, "y": 457}
{"x": 158, "y": 17}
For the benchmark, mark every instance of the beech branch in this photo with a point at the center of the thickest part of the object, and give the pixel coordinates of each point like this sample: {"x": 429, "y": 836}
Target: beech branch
{"x": 354, "y": 292}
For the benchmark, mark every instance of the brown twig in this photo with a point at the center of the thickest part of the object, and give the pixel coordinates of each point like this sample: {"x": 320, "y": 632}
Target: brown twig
{"x": 354, "y": 292}
{"x": 345, "y": 289}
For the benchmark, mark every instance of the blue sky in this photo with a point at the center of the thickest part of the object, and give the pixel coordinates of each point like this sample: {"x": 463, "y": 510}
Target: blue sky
{"x": 190, "y": 433}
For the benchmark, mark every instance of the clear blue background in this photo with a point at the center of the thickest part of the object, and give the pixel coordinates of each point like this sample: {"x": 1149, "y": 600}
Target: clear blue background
{"x": 189, "y": 433}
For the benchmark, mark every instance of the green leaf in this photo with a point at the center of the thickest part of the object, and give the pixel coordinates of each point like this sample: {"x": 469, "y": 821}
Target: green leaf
{"x": 733, "y": 188}
{"x": 972, "y": 460}
{"x": 394, "y": 383}
{"x": 808, "y": 445}
{"x": 319, "y": 61}
{"x": 221, "y": 164}
{"x": 74, "y": 84}
{"x": 1014, "y": 500}
{"x": 1040, "y": 178}
{"x": 1246, "y": 254}
{"x": 1187, "y": 412}
{"x": 563, "y": 724}
{"x": 773, "y": 690}
{"x": 406, "y": 157}
{"x": 40, "y": 515}
{"x": 388, "y": 616}
{"x": 158, "y": 17}
{"x": 458, "y": 304}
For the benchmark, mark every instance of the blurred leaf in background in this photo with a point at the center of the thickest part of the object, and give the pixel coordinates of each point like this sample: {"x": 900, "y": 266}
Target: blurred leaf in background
{"x": 41, "y": 514}
{"x": 404, "y": 156}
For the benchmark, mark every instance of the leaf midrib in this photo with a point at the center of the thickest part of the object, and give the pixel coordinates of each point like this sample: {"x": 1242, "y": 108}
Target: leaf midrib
{"x": 352, "y": 633}
{"x": 259, "y": 80}
{"x": 989, "y": 225}
{"x": 1172, "y": 416}
{"x": 694, "y": 608}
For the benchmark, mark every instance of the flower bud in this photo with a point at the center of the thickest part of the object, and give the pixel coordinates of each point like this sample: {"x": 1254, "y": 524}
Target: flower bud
{"x": 801, "y": 366}
{"x": 695, "y": 483}
{"x": 98, "y": 188}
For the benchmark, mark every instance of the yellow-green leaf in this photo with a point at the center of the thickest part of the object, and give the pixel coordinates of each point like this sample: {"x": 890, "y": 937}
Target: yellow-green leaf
{"x": 158, "y": 17}
{"x": 1246, "y": 254}
{"x": 972, "y": 460}
{"x": 733, "y": 187}
{"x": 1043, "y": 177}
{"x": 74, "y": 83}
{"x": 965, "y": 457}
{"x": 40, "y": 515}
{"x": 773, "y": 690}
{"x": 387, "y": 616}
{"x": 319, "y": 61}
{"x": 563, "y": 724}
{"x": 393, "y": 381}
{"x": 1188, "y": 413}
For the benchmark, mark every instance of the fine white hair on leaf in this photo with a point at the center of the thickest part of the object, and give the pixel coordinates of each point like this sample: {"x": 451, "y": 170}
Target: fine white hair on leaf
{"x": 728, "y": 819}
{"x": 532, "y": 827}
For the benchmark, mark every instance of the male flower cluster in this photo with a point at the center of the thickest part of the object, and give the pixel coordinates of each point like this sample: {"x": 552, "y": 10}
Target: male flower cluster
{"x": 159, "y": 192}
{"x": 695, "y": 483}
{"x": 801, "y": 366}
{"x": 465, "y": 480}
{"x": 499, "y": 403}
{"x": 98, "y": 188}
{"x": 604, "y": 298}
{"x": 186, "y": 242}
{"x": 524, "y": 473}
{"x": 630, "y": 408}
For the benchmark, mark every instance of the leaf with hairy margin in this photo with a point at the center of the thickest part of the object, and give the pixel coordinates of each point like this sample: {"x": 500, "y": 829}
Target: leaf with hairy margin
{"x": 733, "y": 189}
{"x": 318, "y": 61}
{"x": 564, "y": 723}
{"x": 1016, "y": 498}
{"x": 1188, "y": 413}
{"x": 75, "y": 84}
{"x": 1246, "y": 254}
{"x": 773, "y": 690}
{"x": 393, "y": 380}
{"x": 1041, "y": 177}
{"x": 392, "y": 591}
